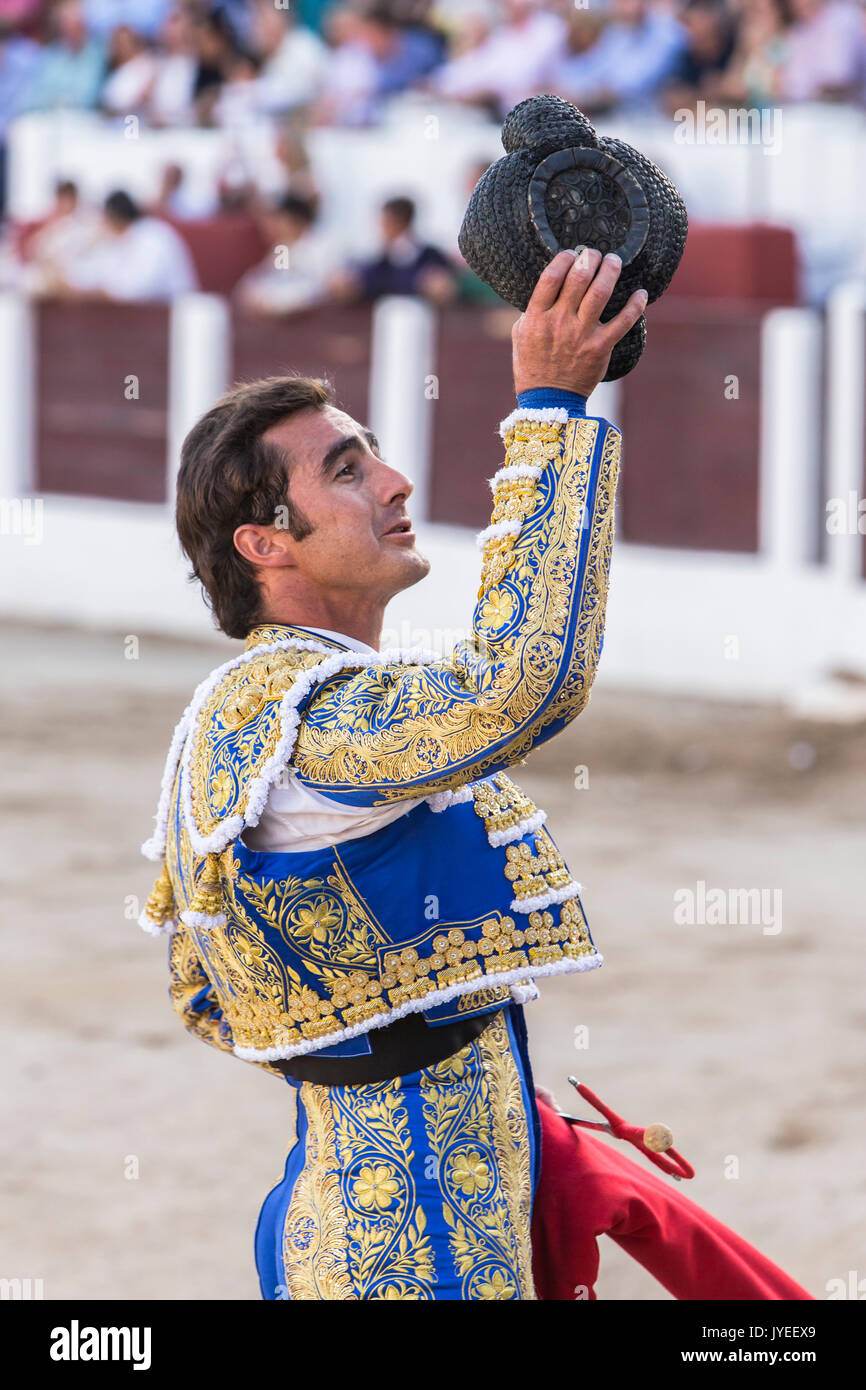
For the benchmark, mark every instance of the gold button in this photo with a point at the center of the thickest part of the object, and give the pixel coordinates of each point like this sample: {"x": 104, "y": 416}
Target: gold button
{"x": 658, "y": 1138}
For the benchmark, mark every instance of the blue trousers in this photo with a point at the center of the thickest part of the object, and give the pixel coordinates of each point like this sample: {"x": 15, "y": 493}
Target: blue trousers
{"x": 420, "y": 1187}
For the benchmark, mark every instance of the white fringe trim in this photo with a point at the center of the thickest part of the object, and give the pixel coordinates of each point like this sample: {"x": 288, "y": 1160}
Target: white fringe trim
{"x": 499, "y": 528}
{"x": 523, "y": 994}
{"x": 513, "y": 470}
{"x": 415, "y": 1006}
{"x": 154, "y": 848}
{"x": 516, "y": 832}
{"x": 202, "y": 920}
{"x": 257, "y": 791}
{"x": 550, "y": 414}
{"x": 556, "y": 895}
{"x": 157, "y": 928}
{"x": 440, "y": 801}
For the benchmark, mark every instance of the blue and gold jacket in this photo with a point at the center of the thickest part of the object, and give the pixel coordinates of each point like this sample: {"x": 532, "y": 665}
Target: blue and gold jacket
{"x": 462, "y": 902}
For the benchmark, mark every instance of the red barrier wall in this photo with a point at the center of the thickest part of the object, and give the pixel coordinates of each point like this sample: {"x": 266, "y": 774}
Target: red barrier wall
{"x": 91, "y": 441}
{"x": 329, "y": 341}
{"x": 475, "y": 392}
{"x": 755, "y": 262}
{"x": 690, "y": 455}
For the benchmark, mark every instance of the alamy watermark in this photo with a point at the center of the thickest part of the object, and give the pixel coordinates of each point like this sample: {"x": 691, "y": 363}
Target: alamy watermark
{"x": 729, "y": 125}
{"x": 729, "y": 907}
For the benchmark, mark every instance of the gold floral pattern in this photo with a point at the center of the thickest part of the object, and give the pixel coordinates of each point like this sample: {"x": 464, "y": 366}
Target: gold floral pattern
{"x": 355, "y": 974}
{"x": 444, "y": 1151}
{"x": 358, "y": 1191}
{"x": 478, "y": 1129}
{"x": 501, "y": 804}
{"x": 533, "y": 874}
{"x": 388, "y": 729}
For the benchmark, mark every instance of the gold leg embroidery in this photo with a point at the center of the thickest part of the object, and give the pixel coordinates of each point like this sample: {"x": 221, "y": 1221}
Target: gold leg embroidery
{"x": 314, "y": 1235}
{"x": 478, "y": 1130}
{"x": 354, "y": 1228}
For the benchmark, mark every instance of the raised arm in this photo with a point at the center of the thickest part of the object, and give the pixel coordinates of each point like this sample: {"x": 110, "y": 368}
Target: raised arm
{"x": 398, "y": 730}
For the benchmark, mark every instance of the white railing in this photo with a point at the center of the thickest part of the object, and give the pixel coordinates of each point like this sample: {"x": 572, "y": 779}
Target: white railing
{"x": 766, "y": 626}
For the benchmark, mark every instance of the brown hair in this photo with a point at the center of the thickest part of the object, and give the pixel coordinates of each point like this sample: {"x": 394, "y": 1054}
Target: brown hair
{"x": 228, "y": 477}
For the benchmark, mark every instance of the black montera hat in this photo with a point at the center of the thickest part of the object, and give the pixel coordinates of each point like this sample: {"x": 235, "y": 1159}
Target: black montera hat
{"x": 561, "y": 186}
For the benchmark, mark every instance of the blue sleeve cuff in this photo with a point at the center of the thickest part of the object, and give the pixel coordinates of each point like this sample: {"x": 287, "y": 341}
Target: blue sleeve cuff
{"x": 547, "y": 397}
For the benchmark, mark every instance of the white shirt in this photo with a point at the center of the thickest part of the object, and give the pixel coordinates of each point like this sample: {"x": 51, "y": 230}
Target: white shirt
{"x": 297, "y": 818}
{"x": 511, "y": 62}
{"x": 171, "y": 96}
{"x": 294, "y": 74}
{"x": 147, "y": 261}
{"x": 279, "y": 289}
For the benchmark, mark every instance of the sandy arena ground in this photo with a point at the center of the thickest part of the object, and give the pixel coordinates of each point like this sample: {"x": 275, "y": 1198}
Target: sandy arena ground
{"x": 749, "y": 1044}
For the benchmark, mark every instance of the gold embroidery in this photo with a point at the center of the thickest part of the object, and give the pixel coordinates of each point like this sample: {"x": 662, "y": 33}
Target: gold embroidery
{"x": 355, "y": 1205}
{"x": 501, "y": 805}
{"x": 516, "y": 498}
{"x": 237, "y": 732}
{"x": 477, "y": 1128}
{"x": 532, "y": 874}
{"x": 436, "y": 716}
{"x": 362, "y": 976}
{"x": 315, "y": 1239}
{"x": 160, "y": 905}
{"x": 405, "y": 726}
{"x": 587, "y": 645}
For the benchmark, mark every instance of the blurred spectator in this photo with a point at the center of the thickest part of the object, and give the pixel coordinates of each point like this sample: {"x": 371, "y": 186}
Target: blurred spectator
{"x": 753, "y": 76}
{"x": 176, "y": 65}
{"x": 22, "y": 17}
{"x": 405, "y": 265}
{"x": 173, "y": 200}
{"x": 630, "y": 61}
{"x": 67, "y": 233}
{"x": 711, "y": 37}
{"x": 349, "y": 85}
{"x": 313, "y": 13}
{"x": 295, "y": 272}
{"x": 132, "y": 70}
{"x": 19, "y": 62}
{"x": 136, "y": 257}
{"x": 293, "y": 59}
{"x": 826, "y": 52}
{"x": 373, "y": 57}
{"x": 403, "y": 50}
{"x": 509, "y": 62}
{"x": 236, "y": 105}
{"x": 73, "y": 64}
{"x": 215, "y": 45}
{"x": 293, "y": 157}
{"x": 143, "y": 16}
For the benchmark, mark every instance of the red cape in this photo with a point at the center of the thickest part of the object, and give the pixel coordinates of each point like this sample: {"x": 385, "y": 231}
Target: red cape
{"x": 586, "y": 1188}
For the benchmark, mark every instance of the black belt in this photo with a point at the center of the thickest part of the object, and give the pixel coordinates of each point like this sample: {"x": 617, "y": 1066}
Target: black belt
{"x": 409, "y": 1044}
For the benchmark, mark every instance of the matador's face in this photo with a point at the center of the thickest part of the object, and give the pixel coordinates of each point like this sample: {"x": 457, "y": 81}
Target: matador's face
{"x": 362, "y": 537}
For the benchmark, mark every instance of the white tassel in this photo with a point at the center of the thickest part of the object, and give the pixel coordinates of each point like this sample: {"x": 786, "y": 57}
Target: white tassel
{"x": 516, "y": 832}
{"x": 513, "y": 470}
{"x": 204, "y": 920}
{"x": 556, "y": 895}
{"x": 156, "y": 928}
{"x": 497, "y": 530}
{"x": 548, "y": 415}
{"x": 440, "y": 801}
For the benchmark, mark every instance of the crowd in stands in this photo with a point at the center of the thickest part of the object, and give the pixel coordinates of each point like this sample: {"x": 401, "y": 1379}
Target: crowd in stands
{"x": 288, "y": 65}
{"x": 195, "y": 62}
{"x": 125, "y": 252}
